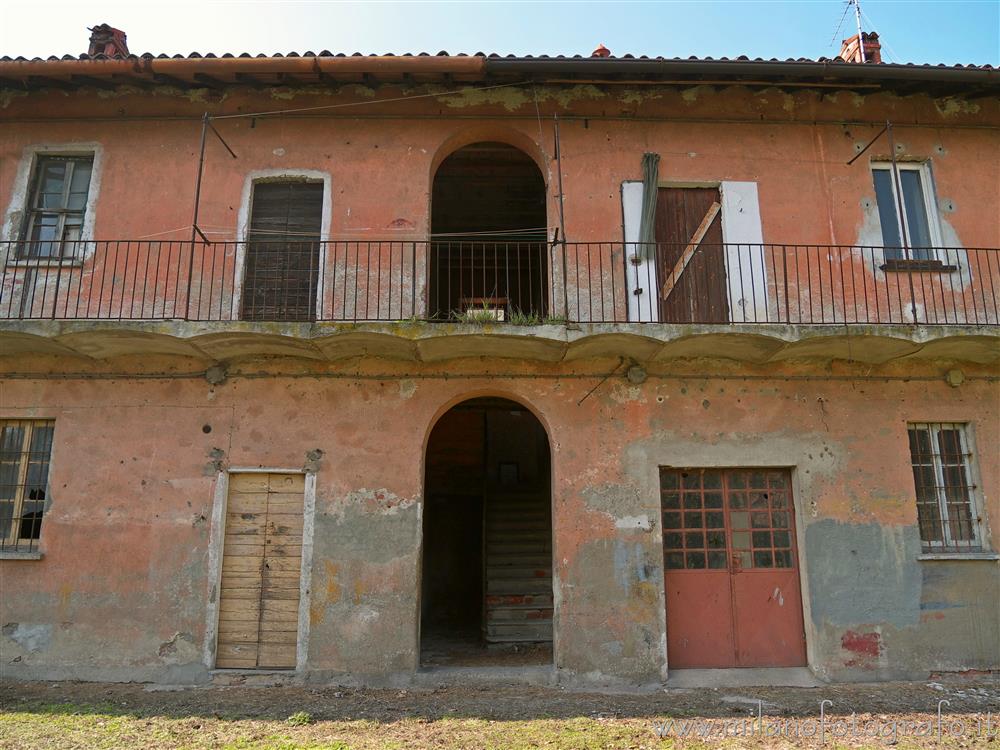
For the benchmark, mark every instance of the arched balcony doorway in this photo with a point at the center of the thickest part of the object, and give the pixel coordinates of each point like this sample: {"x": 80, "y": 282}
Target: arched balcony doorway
{"x": 489, "y": 255}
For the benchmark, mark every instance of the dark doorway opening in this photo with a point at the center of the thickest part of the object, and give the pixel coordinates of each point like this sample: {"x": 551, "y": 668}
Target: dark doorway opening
{"x": 489, "y": 255}
{"x": 487, "y": 560}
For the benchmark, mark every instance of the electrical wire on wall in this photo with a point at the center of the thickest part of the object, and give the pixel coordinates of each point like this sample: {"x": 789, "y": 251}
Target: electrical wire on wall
{"x": 196, "y": 230}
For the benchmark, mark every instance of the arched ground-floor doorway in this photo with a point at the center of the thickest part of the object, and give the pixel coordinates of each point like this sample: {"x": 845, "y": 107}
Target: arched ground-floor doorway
{"x": 487, "y": 538}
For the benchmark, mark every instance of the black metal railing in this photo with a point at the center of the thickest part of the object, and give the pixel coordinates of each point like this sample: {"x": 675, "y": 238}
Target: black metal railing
{"x": 513, "y": 282}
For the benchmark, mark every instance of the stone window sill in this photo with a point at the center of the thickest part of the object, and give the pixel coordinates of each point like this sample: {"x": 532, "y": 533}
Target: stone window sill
{"x": 916, "y": 266}
{"x": 959, "y": 556}
{"x": 21, "y": 555}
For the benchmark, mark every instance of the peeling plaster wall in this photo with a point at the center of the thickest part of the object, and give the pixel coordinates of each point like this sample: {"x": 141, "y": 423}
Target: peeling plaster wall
{"x": 381, "y": 167}
{"x": 893, "y": 617}
{"x": 122, "y": 590}
{"x": 379, "y": 164}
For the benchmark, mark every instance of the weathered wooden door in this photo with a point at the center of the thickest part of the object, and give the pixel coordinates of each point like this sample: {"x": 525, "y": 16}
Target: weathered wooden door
{"x": 281, "y": 268}
{"x": 261, "y": 570}
{"x": 731, "y": 569}
{"x": 691, "y": 265}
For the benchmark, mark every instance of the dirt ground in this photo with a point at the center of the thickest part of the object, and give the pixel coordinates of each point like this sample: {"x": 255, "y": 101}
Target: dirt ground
{"x": 92, "y": 715}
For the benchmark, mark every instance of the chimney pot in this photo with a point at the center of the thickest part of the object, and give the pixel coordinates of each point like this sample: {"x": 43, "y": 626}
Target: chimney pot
{"x": 850, "y": 51}
{"x": 601, "y": 51}
{"x": 108, "y": 41}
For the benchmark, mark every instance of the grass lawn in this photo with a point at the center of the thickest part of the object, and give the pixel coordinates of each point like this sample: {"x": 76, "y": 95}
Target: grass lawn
{"x": 61, "y": 716}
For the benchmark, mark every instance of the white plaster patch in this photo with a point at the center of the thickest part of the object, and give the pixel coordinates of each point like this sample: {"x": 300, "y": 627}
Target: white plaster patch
{"x": 623, "y": 394}
{"x": 950, "y": 107}
{"x": 180, "y": 649}
{"x": 633, "y": 522}
{"x": 360, "y": 620}
{"x": 950, "y": 251}
{"x": 379, "y": 501}
{"x": 30, "y": 637}
{"x": 407, "y": 388}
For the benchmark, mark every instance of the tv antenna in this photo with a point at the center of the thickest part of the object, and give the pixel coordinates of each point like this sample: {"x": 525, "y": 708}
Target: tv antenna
{"x": 848, "y": 4}
{"x": 857, "y": 18}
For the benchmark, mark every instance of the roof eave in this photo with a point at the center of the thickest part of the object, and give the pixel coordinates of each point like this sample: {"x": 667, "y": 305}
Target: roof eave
{"x": 292, "y": 70}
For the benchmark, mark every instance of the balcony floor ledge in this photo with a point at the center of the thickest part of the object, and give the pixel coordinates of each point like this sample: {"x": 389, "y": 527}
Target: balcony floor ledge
{"x": 428, "y": 342}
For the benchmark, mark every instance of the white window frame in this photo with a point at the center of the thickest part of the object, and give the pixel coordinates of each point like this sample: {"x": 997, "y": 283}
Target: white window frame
{"x": 930, "y": 203}
{"x": 948, "y": 545}
{"x": 14, "y": 217}
{"x": 67, "y": 247}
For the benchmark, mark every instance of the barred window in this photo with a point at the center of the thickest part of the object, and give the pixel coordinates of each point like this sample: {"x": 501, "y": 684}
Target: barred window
{"x": 946, "y": 507}
{"x": 25, "y": 447}
{"x": 55, "y": 215}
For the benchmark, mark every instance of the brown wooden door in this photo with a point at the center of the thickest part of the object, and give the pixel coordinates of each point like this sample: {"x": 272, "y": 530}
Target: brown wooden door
{"x": 696, "y": 290}
{"x": 261, "y": 568}
{"x": 731, "y": 569}
{"x": 281, "y": 270}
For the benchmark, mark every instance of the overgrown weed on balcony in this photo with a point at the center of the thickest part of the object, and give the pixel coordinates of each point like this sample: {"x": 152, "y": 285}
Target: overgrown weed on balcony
{"x": 479, "y": 316}
{"x": 520, "y": 318}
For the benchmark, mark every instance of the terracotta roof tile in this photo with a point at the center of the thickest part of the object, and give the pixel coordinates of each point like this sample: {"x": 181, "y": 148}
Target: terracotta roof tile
{"x": 490, "y": 55}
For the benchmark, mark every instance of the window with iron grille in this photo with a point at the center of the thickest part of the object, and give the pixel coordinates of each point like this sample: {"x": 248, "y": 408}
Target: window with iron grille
{"x": 25, "y": 447}
{"x": 57, "y": 206}
{"x": 946, "y": 502}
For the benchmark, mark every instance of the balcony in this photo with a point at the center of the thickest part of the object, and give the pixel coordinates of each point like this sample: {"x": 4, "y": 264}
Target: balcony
{"x": 527, "y": 299}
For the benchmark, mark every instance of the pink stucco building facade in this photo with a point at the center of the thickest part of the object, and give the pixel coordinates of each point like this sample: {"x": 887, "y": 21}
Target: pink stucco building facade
{"x": 362, "y": 367}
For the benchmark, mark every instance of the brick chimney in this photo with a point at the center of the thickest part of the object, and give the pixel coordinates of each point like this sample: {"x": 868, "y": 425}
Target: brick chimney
{"x": 850, "y": 51}
{"x": 601, "y": 51}
{"x": 105, "y": 40}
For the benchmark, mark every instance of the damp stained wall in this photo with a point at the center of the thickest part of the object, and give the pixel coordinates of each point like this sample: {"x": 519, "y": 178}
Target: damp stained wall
{"x": 123, "y": 588}
{"x": 381, "y": 160}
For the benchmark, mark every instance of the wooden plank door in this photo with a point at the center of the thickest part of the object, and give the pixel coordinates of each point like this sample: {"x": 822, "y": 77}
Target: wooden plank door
{"x": 731, "y": 569}
{"x": 281, "y": 269}
{"x": 261, "y": 569}
{"x": 696, "y": 292}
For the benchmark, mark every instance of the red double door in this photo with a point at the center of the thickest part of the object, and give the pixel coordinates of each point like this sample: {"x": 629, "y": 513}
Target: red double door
{"x": 731, "y": 569}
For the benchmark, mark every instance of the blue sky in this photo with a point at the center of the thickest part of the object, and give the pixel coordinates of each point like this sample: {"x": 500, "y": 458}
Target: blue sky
{"x": 920, "y": 31}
